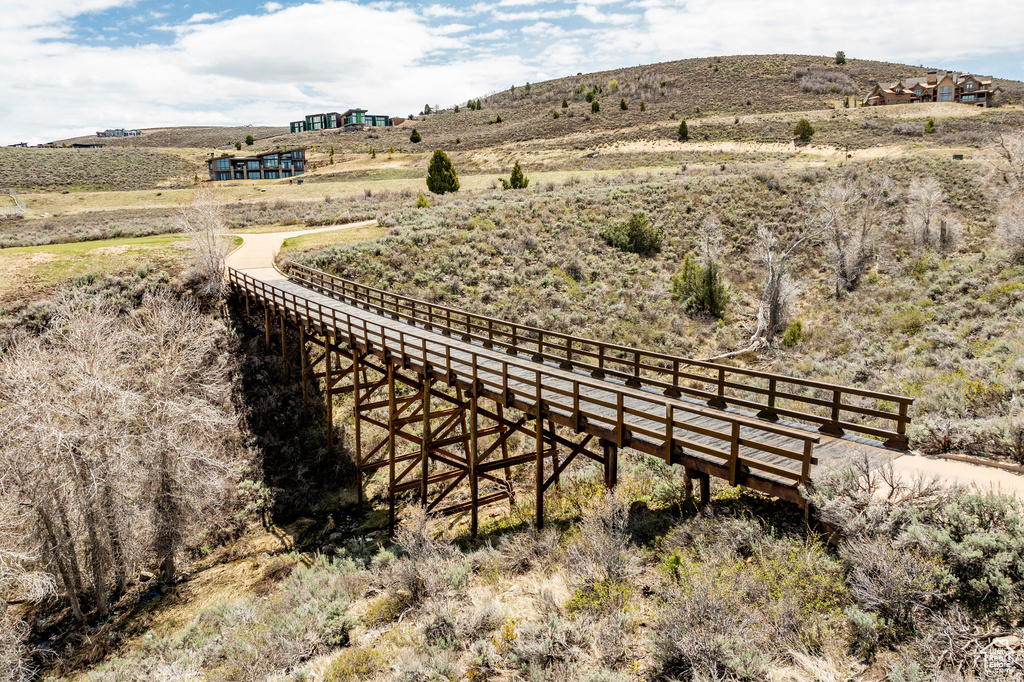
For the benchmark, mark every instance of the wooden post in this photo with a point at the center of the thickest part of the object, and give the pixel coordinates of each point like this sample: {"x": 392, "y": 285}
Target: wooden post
{"x": 539, "y": 429}
{"x": 391, "y": 449}
{"x": 554, "y": 459}
{"x": 358, "y": 426}
{"x": 611, "y": 463}
{"x": 266, "y": 320}
{"x": 302, "y": 367}
{"x": 328, "y": 397}
{"x": 284, "y": 351}
{"x": 705, "y": 490}
{"x": 504, "y": 453}
{"x": 474, "y": 493}
{"x": 425, "y": 441}
{"x": 688, "y": 485}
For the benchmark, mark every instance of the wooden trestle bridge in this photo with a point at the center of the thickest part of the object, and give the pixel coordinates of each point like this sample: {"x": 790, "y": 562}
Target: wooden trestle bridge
{"x": 447, "y": 390}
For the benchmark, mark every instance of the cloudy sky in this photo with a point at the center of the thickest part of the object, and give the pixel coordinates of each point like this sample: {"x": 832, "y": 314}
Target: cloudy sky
{"x": 70, "y": 67}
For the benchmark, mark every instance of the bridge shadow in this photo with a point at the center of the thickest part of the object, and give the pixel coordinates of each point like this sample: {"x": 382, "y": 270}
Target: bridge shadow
{"x": 291, "y": 446}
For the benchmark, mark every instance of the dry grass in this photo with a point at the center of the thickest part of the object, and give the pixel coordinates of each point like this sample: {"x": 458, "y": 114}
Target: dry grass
{"x": 92, "y": 169}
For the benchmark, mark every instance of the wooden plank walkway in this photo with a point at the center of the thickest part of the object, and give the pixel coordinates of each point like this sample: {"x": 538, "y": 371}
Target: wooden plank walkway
{"x": 771, "y": 457}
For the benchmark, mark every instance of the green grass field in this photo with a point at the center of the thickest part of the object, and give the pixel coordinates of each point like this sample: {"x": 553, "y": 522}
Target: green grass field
{"x": 34, "y": 271}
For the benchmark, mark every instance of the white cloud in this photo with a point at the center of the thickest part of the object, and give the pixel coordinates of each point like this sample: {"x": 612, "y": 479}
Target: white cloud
{"x": 203, "y": 17}
{"x": 391, "y": 56}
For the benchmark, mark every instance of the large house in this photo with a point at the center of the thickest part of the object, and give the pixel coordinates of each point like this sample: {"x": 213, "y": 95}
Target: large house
{"x": 118, "y": 132}
{"x": 265, "y": 166}
{"x": 951, "y": 87}
{"x": 353, "y": 119}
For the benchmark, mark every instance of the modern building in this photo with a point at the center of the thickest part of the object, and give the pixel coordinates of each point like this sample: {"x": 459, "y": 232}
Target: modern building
{"x": 118, "y": 132}
{"x": 950, "y": 87}
{"x": 353, "y": 119}
{"x": 266, "y": 166}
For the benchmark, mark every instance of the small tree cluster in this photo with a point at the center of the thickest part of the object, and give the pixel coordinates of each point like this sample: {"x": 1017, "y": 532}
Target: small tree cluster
{"x": 441, "y": 177}
{"x": 636, "y": 235}
{"x": 700, "y": 288}
{"x": 474, "y": 105}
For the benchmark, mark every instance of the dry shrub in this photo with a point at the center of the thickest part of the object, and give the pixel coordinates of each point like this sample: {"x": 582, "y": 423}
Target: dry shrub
{"x": 820, "y": 79}
{"x": 1010, "y": 226}
{"x": 522, "y": 552}
{"x": 909, "y": 129}
{"x": 601, "y": 549}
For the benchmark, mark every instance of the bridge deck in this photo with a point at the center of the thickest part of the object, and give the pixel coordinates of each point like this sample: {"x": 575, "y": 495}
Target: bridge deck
{"x": 771, "y": 457}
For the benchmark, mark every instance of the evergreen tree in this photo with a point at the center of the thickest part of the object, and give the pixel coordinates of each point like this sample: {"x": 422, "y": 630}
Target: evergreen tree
{"x": 456, "y": 108}
{"x": 565, "y": 104}
{"x": 249, "y": 140}
{"x": 643, "y": 107}
{"x": 623, "y": 105}
{"x": 238, "y": 145}
{"x": 595, "y": 106}
{"x": 840, "y": 57}
{"x": 684, "y": 134}
{"x": 415, "y": 137}
{"x": 700, "y": 288}
{"x": 803, "y": 130}
{"x": 518, "y": 179}
{"x": 929, "y": 127}
{"x": 441, "y": 175}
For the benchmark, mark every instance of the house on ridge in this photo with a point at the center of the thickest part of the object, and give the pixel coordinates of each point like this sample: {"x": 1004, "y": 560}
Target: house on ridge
{"x": 950, "y": 87}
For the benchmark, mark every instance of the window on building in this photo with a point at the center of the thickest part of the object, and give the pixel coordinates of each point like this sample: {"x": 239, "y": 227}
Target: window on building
{"x": 286, "y": 174}
{"x": 286, "y": 164}
{"x": 270, "y": 163}
{"x": 946, "y": 93}
{"x": 222, "y": 176}
{"x": 254, "y": 175}
{"x": 299, "y": 154}
{"x": 223, "y": 164}
{"x": 271, "y": 175}
{"x": 968, "y": 98}
{"x": 918, "y": 91}
{"x": 298, "y": 165}
{"x": 238, "y": 175}
{"x": 968, "y": 86}
{"x": 253, "y": 165}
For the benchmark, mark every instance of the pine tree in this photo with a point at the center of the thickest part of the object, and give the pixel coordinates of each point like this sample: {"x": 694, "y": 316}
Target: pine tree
{"x": 623, "y": 105}
{"x": 415, "y": 137}
{"x": 518, "y": 179}
{"x": 565, "y": 104}
{"x": 643, "y": 107}
{"x": 249, "y": 140}
{"x": 700, "y": 288}
{"x": 840, "y": 57}
{"x": 684, "y": 134}
{"x": 595, "y": 106}
{"x": 441, "y": 175}
{"x": 238, "y": 145}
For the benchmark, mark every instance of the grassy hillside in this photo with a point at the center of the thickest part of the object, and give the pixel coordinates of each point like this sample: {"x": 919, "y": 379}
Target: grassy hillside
{"x": 184, "y": 136}
{"x": 935, "y": 326}
{"x": 93, "y": 169}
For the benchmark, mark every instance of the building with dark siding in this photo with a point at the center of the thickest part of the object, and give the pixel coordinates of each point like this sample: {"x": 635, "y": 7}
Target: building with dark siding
{"x": 353, "y": 119}
{"x": 266, "y": 166}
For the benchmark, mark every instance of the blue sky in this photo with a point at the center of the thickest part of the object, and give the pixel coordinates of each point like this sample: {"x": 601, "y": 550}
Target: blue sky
{"x": 74, "y": 66}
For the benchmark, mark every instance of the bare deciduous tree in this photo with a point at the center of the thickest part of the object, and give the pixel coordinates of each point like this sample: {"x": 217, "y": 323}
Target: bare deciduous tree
{"x": 710, "y": 239}
{"x": 116, "y": 452}
{"x": 850, "y": 214}
{"x": 1010, "y": 225}
{"x": 1009, "y": 150}
{"x": 773, "y": 311}
{"x": 926, "y": 211}
{"x": 202, "y": 219}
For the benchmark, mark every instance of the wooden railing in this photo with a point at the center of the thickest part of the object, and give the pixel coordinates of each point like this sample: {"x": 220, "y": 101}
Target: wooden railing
{"x": 626, "y": 416}
{"x": 830, "y": 407}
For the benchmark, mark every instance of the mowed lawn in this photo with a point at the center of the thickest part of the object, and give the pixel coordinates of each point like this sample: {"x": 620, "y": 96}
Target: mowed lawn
{"x": 31, "y": 271}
